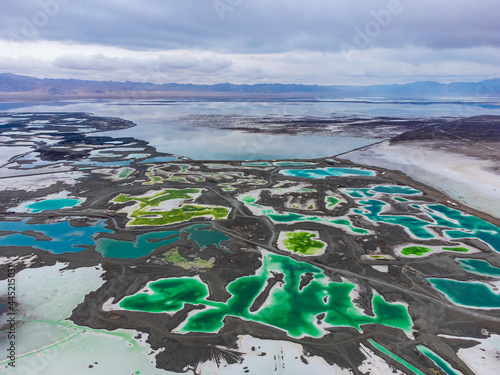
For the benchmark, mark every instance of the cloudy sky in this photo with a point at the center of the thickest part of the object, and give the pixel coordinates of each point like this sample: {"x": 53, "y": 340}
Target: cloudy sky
{"x": 354, "y": 42}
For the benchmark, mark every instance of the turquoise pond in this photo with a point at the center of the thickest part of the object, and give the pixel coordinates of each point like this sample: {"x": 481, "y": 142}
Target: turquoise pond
{"x": 137, "y": 156}
{"x": 373, "y": 209}
{"x": 467, "y": 294}
{"x": 390, "y": 354}
{"x": 292, "y": 217}
{"x": 293, "y": 163}
{"x": 462, "y": 222}
{"x": 203, "y": 236}
{"x": 460, "y": 225}
{"x": 52, "y": 204}
{"x": 159, "y": 159}
{"x": 145, "y": 244}
{"x": 479, "y": 267}
{"x": 386, "y": 189}
{"x": 440, "y": 362}
{"x": 64, "y": 237}
{"x": 103, "y": 164}
{"x": 320, "y": 173}
{"x": 257, "y": 164}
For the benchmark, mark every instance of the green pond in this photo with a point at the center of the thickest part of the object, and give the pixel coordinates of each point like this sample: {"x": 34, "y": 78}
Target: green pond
{"x": 287, "y": 307}
{"x": 479, "y": 267}
{"x": 303, "y": 242}
{"x": 143, "y": 215}
{"x": 155, "y": 199}
{"x": 422, "y": 250}
{"x": 53, "y": 204}
{"x": 320, "y": 173}
{"x": 124, "y": 173}
{"x": 440, "y": 362}
{"x": 416, "y": 250}
{"x": 390, "y": 354}
{"x": 331, "y": 202}
{"x": 457, "y": 249}
{"x": 63, "y": 237}
{"x": 467, "y": 293}
{"x": 177, "y": 215}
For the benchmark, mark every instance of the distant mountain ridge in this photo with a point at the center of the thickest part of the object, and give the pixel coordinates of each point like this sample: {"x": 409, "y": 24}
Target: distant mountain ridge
{"x": 12, "y": 83}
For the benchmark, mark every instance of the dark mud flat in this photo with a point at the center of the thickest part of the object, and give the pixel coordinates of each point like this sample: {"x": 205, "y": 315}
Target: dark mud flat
{"x": 165, "y": 209}
{"x": 477, "y": 137}
{"x": 64, "y": 141}
{"x": 370, "y": 127}
{"x": 477, "y": 128}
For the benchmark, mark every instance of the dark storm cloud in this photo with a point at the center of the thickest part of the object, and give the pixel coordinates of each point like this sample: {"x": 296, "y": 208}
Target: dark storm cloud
{"x": 252, "y": 41}
{"x": 255, "y": 26}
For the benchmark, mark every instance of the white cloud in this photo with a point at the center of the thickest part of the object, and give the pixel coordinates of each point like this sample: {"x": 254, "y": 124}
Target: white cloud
{"x": 86, "y": 62}
{"x": 358, "y": 67}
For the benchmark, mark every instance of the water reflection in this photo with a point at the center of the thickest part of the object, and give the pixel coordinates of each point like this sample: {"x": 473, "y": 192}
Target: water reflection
{"x": 166, "y": 125}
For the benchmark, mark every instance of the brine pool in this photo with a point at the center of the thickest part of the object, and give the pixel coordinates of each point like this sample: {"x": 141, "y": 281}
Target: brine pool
{"x": 53, "y": 204}
{"x": 298, "y": 311}
{"x": 61, "y": 237}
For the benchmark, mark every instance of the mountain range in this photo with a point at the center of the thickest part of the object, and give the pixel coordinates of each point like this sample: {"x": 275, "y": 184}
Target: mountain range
{"x": 18, "y": 86}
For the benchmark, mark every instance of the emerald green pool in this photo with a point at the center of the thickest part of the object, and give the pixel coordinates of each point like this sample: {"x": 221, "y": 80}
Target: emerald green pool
{"x": 331, "y": 202}
{"x": 320, "y": 173}
{"x": 53, "y": 204}
{"x": 479, "y": 267}
{"x": 440, "y": 362}
{"x": 287, "y": 308}
{"x": 467, "y": 293}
